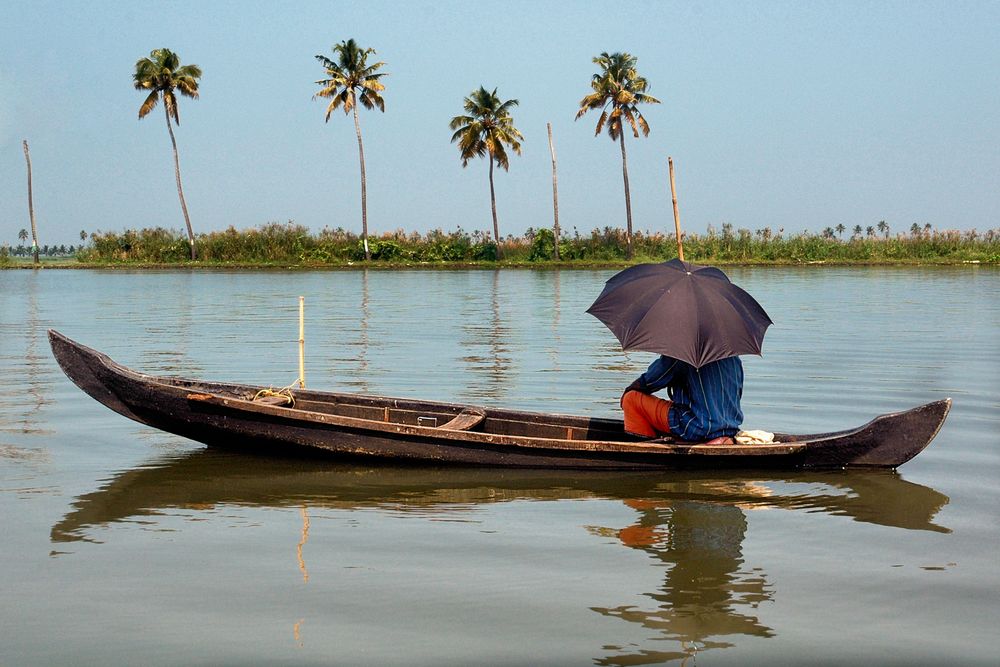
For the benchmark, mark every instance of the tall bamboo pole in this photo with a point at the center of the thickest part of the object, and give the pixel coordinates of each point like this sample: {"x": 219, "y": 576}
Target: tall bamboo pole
{"x": 302, "y": 342}
{"x": 31, "y": 206}
{"x": 555, "y": 192}
{"x": 677, "y": 215}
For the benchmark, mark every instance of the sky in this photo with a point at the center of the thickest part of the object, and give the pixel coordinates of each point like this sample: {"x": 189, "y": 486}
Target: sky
{"x": 791, "y": 115}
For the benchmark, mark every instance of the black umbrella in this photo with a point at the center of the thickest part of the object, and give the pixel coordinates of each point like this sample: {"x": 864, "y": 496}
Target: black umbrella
{"x": 685, "y": 311}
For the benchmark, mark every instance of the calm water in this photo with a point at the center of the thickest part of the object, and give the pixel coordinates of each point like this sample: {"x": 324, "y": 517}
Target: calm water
{"x": 125, "y": 545}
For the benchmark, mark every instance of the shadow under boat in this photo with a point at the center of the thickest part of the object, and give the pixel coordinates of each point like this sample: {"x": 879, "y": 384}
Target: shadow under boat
{"x": 208, "y": 477}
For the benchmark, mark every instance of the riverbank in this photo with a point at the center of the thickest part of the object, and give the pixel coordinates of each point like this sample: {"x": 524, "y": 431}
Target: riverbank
{"x": 453, "y": 266}
{"x": 291, "y": 246}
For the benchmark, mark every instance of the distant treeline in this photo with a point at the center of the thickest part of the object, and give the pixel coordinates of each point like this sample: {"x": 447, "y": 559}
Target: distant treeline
{"x": 44, "y": 251}
{"x": 293, "y": 244}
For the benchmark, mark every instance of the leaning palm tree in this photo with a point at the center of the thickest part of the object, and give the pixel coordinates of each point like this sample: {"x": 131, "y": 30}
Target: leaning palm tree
{"x": 163, "y": 75}
{"x": 485, "y": 130}
{"x": 31, "y": 207}
{"x": 618, "y": 89}
{"x": 350, "y": 80}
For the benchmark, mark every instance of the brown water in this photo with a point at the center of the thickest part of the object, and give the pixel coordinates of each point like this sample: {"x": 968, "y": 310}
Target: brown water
{"x": 125, "y": 545}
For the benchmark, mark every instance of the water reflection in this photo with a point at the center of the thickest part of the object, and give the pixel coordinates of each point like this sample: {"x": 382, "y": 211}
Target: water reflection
{"x": 707, "y": 593}
{"x": 692, "y": 526}
{"x": 358, "y": 376}
{"x": 170, "y": 325}
{"x": 486, "y": 336}
{"x": 26, "y": 390}
{"x": 554, "y": 344}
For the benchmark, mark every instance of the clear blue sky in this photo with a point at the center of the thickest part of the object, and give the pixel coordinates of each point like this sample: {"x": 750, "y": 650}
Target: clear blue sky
{"x": 797, "y": 115}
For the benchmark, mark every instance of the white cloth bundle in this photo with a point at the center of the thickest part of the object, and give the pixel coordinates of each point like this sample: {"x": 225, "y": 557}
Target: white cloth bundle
{"x": 754, "y": 438}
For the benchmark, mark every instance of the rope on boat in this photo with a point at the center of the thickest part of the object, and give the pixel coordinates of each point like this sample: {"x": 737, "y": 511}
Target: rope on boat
{"x": 283, "y": 392}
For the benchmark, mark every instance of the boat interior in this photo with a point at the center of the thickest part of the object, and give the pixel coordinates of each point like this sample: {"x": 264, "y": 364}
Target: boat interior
{"x": 428, "y": 414}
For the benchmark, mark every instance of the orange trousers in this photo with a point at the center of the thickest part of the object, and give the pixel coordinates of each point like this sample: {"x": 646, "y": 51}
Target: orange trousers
{"x": 645, "y": 415}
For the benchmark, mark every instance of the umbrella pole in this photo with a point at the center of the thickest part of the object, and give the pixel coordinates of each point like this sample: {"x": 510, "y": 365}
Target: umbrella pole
{"x": 677, "y": 215}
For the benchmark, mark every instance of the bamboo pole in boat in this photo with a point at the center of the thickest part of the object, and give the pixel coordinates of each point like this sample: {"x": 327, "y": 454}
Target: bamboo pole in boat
{"x": 677, "y": 215}
{"x": 302, "y": 342}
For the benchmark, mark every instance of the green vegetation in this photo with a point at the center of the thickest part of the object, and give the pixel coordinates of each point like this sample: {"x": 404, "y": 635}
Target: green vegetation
{"x": 162, "y": 74}
{"x": 350, "y": 80}
{"x": 293, "y": 245}
{"x": 619, "y": 87}
{"x": 44, "y": 252}
{"x": 486, "y": 132}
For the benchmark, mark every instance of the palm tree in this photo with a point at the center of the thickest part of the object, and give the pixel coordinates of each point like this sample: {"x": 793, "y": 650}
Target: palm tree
{"x": 870, "y": 231}
{"x": 162, "y": 74}
{"x": 840, "y": 230}
{"x": 883, "y": 227}
{"x": 914, "y": 230}
{"x": 857, "y": 231}
{"x": 22, "y": 235}
{"x": 350, "y": 79}
{"x": 31, "y": 206}
{"x": 618, "y": 89}
{"x": 83, "y": 235}
{"x": 485, "y": 131}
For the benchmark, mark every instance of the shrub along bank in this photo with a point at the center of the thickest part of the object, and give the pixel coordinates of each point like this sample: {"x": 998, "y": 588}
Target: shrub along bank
{"x": 292, "y": 244}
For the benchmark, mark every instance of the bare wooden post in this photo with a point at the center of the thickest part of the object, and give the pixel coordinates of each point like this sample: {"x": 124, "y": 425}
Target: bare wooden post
{"x": 555, "y": 191}
{"x": 302, "y": 342}
{"x": 31, "y": 206}
{"x": 677, "y": 215}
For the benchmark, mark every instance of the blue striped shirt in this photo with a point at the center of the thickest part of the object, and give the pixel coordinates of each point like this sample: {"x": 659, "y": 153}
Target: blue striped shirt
{"x": 706, "y": 400}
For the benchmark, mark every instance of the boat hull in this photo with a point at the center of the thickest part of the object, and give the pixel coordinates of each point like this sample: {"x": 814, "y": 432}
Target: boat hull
{"x": 396, "y": 429}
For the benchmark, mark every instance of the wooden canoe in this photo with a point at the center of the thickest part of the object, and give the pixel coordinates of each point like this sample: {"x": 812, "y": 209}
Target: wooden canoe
{"x": 401, "y": 429}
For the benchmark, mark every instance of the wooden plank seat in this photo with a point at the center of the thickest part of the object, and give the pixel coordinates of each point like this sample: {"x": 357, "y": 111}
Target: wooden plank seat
{"x": 466, "y": 419}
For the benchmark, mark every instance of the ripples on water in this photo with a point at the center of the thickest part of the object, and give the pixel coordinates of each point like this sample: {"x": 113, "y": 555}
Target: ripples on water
{"x": 122, "y": 540}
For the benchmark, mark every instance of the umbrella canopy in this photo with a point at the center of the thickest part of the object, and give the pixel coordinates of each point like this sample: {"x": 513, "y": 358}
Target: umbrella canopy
{"x": 685, "y": 311}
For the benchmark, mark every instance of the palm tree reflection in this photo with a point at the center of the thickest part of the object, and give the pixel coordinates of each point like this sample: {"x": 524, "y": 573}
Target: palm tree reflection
{"x": 36, "y": 373}
{"x": 489, "y": 355}
{"x": 355, "y": 367}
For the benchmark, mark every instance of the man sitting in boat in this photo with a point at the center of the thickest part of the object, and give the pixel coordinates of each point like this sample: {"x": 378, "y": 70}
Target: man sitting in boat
{"x": 704, "y": 403}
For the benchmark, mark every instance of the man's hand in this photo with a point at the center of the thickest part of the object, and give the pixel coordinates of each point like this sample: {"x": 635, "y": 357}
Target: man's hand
{"x": 637, "y": 385}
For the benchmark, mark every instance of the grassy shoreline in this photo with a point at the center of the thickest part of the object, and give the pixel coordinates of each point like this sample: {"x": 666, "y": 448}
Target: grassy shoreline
{"x": 291, "y": 246}
{"x": 73, "y": 265}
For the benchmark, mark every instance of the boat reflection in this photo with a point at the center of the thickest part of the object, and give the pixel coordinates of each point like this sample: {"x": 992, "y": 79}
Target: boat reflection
{"x": 692, "y": 525}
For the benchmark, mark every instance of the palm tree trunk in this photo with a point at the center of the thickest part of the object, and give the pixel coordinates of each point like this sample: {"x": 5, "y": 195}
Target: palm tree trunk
{"x": 493, "y": 205}
{"x": 31, "y": 206}
{"x": 364, "y": 188}
{"x": 628, "y": 197}
{"x": 177, "y": 175}
{"x": 555, "y": 193}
